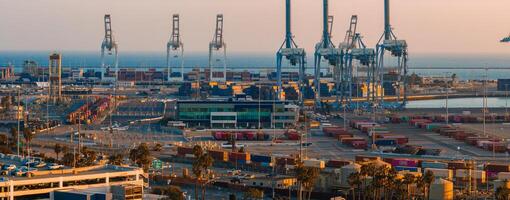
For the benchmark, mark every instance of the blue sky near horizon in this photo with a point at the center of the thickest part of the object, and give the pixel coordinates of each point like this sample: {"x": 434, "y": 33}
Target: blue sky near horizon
{"x": 430, "y": 26}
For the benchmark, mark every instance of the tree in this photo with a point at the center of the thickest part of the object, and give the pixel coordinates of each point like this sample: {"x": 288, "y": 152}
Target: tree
{"x": 171, "y": 192}
{"x": 425, "y": 181}
{"x": 14, "y": 135}
{"x": 306, "y": 177}
{"x": 141, "y": 156}
{"x": 28, "y": 135}
{"x": 68, "y": 159}
{"x": 88, "y": 157}
{"x": 58, "y": 149}
{"x": 408, "y": 180}
{"x": 502, "y": 193}
{"x": 253, "y": 194}
{"x": 201, "y": 163}
{"x": 116, "y": 159}
{"x": 158, "y": 147}
{"x": 354, "y": 181}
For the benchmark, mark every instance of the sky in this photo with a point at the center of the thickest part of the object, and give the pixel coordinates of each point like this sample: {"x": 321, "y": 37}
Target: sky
{"x": 429, "y": 26}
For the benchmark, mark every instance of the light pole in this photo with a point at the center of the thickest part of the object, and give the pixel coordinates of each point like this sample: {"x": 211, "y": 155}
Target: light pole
{"x": 506, "y": 100}
{"x": 447, "y": 97}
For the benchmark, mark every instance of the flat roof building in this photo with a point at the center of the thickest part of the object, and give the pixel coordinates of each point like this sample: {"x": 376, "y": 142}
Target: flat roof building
{"x": 235, "y": 113}
{"x": 47, "y": 181}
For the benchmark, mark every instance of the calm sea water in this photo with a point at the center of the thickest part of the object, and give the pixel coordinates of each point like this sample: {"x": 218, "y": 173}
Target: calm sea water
{"x": 477, "y": 102}
{"x": 257, "y": 62}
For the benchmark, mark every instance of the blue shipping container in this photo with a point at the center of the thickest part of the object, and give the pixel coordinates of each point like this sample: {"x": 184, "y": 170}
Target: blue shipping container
{"x": 436, "y": 165}
{"x": 391, "y": 142}
{"x": 411, "y": 169}
{"x": 265, "y": 164}
{"x": 261, "y": 158}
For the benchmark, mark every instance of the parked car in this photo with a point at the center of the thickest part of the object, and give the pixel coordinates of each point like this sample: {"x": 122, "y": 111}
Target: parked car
{"x": 9, "y": 167}
{"x": 54, "y": 166}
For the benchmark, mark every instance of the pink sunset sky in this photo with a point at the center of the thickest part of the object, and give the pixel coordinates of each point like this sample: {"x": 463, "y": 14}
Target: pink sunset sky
{"x": 429, "y": 26}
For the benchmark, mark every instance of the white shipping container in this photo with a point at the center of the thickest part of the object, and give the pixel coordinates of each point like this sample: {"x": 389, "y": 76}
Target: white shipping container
{"x": 504, "y": 176}
{"x": 476, "y": 174}
{"x": 314, "y": 163}
{"x": 441, "y": 173}
{"x": 482, "y": 143}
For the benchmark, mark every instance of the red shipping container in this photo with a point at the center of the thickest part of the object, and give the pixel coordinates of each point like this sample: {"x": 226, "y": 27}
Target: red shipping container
{"x": 404, "y": 162}
{"x": 337, "y": 163}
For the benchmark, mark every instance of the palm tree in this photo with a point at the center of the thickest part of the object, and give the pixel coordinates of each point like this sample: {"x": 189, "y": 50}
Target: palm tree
{"x": 408, "y": 180}
{"x": 28, "y": 135}
{"x": 427, "y": 180}
{"x": 354, "y": 181}
{"x": 502, "y": 193}
{"x": 115, "y": 159}
{"x": 14, "y": 135}
{"x": 202, "y": 162}
{"x": 58, "y": 149}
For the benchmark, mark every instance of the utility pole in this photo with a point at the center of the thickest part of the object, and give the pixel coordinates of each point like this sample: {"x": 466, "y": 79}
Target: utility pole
{"x": 19, "y": 116}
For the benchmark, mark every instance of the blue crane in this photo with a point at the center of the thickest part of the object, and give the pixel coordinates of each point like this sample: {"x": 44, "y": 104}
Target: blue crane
{"x": 110, "y": 46}
{"x": 398, "y": 49}
{"x": 217, "y": 45}
{"x": 176, "y": 47}
{"x": 355, "y": 49}
{"x": 295, "y": 55}
{"x": 326, "y": 50}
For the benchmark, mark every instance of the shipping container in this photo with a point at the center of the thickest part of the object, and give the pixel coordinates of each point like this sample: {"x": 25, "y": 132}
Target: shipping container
{"x": 497, "y": 168}
{"x": 218, "y": 155}
{"x": 235, "y": 156}
{"x": 441, "y": 173}
{"x": 314, "y": 163}
{"x": 360, "y": 158}
{"x": 261, "y": 158}
{"x": 409, "y": 169}
{"x": 404, "y": 162}
{"x": 285, "y": 161}
{"x": 337, "y": 163}
{"x": 464, "y": 174}
{"x": 434, "y": 164}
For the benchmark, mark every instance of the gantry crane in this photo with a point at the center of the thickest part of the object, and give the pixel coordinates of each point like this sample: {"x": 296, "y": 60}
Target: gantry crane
{"x": 398, "y": 49}
{"x": 327, "y": 50}
{"x": 346, "y": 75}
{"x": 295, "y": 55}
{"x": 176, "y": 47}
{"x": 216, "y": 45}
{"x": 357, "y": 50}
{"x": 110, "y": 46}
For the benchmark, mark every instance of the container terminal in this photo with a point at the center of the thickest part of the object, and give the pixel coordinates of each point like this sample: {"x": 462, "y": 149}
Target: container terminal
{"x": 359, "y": 126}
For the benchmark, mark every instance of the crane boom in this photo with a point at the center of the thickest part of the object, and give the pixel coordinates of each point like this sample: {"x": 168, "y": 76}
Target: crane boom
{"x": 175, "y": 38}
{"x": 218, "y": 34}
{"x": 109, "y": 45}
{"x": 216, "y": 44}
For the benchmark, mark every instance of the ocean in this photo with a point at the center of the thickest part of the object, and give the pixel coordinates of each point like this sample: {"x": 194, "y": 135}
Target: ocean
{"x": 434, "y": 64}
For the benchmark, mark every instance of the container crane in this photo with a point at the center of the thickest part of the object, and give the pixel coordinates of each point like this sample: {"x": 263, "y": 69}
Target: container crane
{"x": 176, "y": 47}
{"x": 295, "y": 55}
{"x": 398, "y": 49}
{"x": 216, "y": 45}
{"x": 110, "y": 46}
{"x": 345, "y": 88}
{"x": 357, "y": 50}
{"x": 326, "y": 50}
